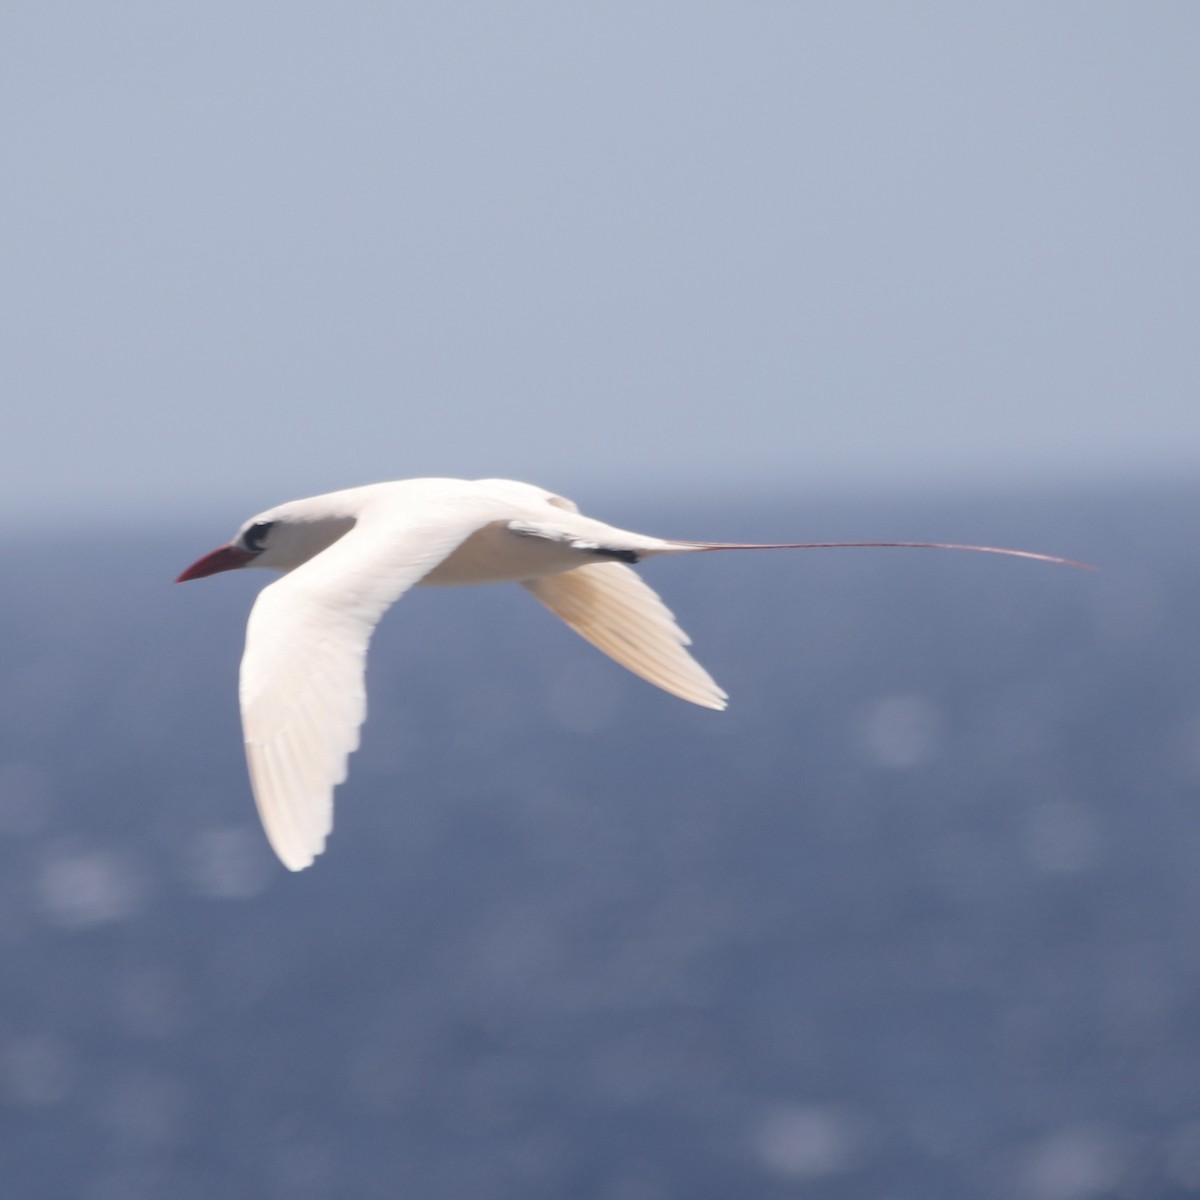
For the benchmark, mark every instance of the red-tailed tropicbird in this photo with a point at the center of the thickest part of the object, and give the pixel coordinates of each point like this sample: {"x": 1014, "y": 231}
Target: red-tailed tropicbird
{"x": 348, "y": 556}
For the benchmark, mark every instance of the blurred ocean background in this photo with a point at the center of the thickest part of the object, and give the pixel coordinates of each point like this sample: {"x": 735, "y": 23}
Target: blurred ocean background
{"x": 917, "y": 917}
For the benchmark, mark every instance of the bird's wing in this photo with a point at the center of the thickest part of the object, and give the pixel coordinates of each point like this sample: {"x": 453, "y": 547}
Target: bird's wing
{"x": 302, "y": 677}
{"x": 621, "y": 615}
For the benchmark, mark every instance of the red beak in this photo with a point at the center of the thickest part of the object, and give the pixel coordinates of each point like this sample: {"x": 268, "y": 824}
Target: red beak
{"x": 226, "y": 558}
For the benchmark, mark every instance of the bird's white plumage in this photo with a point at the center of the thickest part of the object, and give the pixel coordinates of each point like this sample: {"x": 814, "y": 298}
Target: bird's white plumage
{"x": 348, "y": 556}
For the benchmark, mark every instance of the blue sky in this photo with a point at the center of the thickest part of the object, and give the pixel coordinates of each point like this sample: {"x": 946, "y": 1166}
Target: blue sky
{"x": 253, "y": 251}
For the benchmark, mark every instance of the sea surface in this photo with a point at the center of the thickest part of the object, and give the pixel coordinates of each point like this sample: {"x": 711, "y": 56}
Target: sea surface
{"x": 917, "y": 918}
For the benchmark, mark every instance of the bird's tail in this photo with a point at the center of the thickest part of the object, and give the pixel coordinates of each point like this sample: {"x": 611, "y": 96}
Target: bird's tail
{"x": 1047, "y": 558}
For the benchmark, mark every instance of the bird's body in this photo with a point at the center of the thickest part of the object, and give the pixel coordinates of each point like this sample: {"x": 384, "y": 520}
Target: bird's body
{"x": 348, "y": 556}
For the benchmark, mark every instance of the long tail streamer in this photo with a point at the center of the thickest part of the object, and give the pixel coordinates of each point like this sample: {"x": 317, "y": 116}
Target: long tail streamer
{"x": 1047, "y": 558}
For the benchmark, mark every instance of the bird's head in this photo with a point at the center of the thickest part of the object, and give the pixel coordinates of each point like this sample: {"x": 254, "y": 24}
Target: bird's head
{"x": 280, "y": 539}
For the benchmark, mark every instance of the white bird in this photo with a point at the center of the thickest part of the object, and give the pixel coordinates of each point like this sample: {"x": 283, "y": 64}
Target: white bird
{"x": 348, "y": 556}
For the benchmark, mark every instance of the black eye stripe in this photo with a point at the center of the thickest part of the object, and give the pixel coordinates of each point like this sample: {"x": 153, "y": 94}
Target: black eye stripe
{"x": 255, "y": 537}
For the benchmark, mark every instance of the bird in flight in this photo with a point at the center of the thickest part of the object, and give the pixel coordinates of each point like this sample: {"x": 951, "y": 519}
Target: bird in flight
{"x": 347, "y": 556}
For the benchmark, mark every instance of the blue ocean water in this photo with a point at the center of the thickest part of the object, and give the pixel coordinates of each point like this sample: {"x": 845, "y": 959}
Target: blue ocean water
{"x": 916, "y": 918}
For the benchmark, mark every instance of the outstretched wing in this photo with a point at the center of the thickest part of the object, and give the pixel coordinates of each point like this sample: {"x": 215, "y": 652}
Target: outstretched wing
{"x": 302, "y": 687}
{"x": 620, "y": 614}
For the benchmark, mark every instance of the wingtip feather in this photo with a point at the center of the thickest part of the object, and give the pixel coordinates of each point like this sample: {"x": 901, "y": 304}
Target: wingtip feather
{"x": 615, "y": 609}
